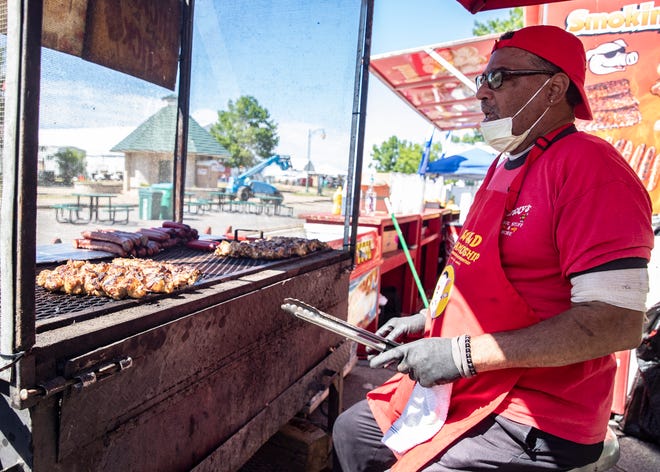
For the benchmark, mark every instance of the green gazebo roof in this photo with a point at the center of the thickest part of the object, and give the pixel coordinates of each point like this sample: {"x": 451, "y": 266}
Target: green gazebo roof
{"x": 157, "y": 134}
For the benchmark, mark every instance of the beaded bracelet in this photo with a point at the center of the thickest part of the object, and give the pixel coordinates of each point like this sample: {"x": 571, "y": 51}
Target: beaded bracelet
{"x": 468, "y": 356}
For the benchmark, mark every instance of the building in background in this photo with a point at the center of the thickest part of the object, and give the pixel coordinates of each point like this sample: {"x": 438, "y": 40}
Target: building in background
{"x": 149, "y": 149}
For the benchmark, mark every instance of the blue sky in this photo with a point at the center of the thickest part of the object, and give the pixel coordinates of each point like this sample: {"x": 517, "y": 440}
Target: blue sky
{"x": 296, "y": 57}
{"x": 412, "y": 23}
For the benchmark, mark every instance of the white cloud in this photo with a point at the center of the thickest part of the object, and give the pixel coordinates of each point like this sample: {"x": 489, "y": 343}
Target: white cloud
{"x": 94, "y": 141}
{"x": 332, "y": 150}
{"x": 388, "y": 115}
{"x": 205, "y": 116}
{"x": 66, "y": 104}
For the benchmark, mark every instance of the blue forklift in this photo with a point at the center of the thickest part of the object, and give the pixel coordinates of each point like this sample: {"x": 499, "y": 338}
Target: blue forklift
{"x": 245, "y": 188}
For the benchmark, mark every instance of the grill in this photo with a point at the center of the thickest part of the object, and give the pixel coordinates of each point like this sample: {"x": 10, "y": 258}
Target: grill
{"x": 56, "y": 309}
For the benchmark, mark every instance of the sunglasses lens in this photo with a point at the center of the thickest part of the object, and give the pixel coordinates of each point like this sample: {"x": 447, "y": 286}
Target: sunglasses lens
{"x": 494, "y": 79}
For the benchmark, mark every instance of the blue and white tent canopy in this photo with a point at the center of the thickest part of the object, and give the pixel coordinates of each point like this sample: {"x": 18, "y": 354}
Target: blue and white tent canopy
{"x": 472, "y": 163}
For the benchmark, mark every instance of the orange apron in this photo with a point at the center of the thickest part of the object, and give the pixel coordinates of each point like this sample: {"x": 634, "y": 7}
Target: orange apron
{"x": 474, "y": 297}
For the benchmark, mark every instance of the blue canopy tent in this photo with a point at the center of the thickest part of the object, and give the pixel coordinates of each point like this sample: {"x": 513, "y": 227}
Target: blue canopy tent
{"x": 469, "y": 164}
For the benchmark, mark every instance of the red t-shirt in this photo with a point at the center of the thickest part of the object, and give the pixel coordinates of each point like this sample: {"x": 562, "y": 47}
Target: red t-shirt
{"x": 580, "y": 206}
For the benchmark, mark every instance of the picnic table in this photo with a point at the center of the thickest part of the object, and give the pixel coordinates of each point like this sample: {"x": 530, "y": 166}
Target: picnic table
{"x": 193, "y": 204}
{"x": 93, "y": 204}
{"x": 223, "y": 198}
{"x": 272, "y": 205}
{"x": 241, "y": 206}
{"x": 68, "y": 213}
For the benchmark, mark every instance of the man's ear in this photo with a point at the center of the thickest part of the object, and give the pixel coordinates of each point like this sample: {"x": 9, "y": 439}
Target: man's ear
{"x": 558, "y": 87}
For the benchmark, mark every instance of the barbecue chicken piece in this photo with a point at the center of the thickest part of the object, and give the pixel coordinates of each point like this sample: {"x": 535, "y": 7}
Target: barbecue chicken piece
{"x": 273, "y": 248}
{"x": 119, "y": 279}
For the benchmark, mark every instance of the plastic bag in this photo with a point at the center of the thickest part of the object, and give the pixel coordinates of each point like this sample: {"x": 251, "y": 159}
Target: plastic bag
{"x": 642, "y": 412}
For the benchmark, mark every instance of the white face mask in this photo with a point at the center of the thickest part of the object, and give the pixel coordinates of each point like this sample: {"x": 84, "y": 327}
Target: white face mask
{"x": 499, "y": 133}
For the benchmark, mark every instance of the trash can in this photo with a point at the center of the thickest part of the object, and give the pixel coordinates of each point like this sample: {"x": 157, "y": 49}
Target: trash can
{"x": 166, "y": 200}
{"x": 150, "y": 203}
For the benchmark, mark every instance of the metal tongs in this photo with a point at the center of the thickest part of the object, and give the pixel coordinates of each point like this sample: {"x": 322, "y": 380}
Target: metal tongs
{"x": 313, "y": 315}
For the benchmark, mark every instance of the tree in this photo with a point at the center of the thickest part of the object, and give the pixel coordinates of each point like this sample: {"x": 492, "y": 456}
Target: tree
{"x": 395, "y": 155}
{"x": 71, "y": 163}
{"x": 474, "y": 137}
{"x": 499, "y": 25}
{"x": 246, "y": 131}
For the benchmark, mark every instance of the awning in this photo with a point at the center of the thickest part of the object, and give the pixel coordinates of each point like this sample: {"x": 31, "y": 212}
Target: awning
{"x": 437, "y": 80}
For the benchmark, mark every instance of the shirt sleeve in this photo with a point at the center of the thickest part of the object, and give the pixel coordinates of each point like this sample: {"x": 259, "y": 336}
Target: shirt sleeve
{"x": 625, "y": 288}
{"x": 603, "y": 212}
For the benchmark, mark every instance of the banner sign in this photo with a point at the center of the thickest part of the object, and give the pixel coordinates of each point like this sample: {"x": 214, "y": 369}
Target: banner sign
{"x": 622, "y": 42}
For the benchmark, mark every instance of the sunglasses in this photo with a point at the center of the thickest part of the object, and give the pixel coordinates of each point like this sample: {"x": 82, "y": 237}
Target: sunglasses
{"x": 495, "y": 78}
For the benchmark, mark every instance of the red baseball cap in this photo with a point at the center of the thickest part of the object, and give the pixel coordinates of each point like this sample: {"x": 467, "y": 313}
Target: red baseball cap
{"x": 558, "y": 46}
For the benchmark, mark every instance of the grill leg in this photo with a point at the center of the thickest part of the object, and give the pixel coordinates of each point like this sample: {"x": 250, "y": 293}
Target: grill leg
{"x": 335, "y": 395}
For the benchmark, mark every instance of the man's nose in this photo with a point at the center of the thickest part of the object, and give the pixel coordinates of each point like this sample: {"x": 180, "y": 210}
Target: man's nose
{"x": 483, "y": 91}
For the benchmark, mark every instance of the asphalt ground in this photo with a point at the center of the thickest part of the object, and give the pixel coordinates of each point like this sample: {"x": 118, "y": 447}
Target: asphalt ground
{"x": 217, "y": 222}
{"x": 213, "y": 222}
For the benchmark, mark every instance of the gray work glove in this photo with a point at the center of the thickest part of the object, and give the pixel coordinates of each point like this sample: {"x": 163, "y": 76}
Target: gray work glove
{"x": 396, "y": 328}
{"x": 428, "y": 361}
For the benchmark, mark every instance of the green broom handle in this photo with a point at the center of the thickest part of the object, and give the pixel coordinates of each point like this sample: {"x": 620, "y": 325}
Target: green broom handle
{"x": 420, "y": 288}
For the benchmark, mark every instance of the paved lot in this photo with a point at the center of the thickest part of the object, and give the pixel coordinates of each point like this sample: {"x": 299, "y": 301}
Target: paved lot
{"x": 216, "y": 222}
{"x": 210, "y": 222}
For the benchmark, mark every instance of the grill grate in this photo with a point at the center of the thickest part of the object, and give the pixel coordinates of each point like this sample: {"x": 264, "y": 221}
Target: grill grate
{"x": 57, "y": 309}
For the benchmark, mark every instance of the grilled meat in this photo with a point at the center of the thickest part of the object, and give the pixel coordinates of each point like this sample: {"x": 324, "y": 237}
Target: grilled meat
{"x": 119, "y": 279}
{"x": 273, "y": 248}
